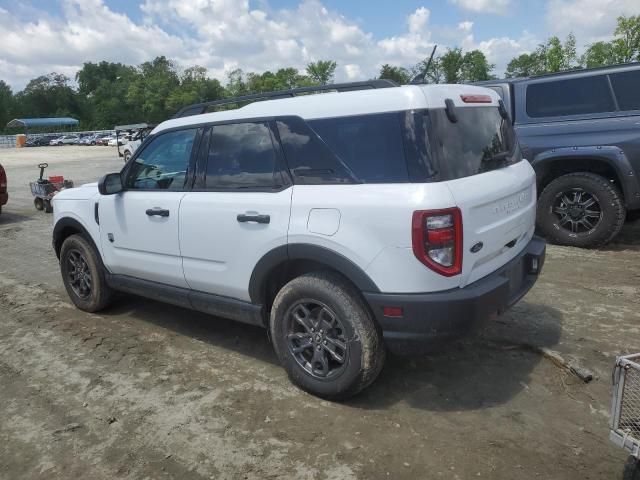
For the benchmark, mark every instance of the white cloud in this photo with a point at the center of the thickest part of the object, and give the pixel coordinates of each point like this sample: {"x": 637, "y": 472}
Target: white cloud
{"x": 589, "y": 20}
{"x": 500, "y": 7}
{"x": 222, "y": 35}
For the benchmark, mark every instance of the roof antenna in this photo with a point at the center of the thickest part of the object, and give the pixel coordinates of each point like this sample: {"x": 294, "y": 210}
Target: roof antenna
{"x": 422, "y": 76}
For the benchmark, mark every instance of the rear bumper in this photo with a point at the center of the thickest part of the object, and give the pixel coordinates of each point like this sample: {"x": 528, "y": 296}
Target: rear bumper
{"x": 4, "y": 198}
{"x": 431, "y": 318}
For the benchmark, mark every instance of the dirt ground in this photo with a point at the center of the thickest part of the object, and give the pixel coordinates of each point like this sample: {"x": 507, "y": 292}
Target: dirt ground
{"x": 146, "y": 390}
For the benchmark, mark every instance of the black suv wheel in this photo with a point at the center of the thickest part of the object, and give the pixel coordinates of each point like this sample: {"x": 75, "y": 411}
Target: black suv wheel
{"x": 581, "y": 210}
{"x": 83, "y": 275}
{"x": 325, "y": 337}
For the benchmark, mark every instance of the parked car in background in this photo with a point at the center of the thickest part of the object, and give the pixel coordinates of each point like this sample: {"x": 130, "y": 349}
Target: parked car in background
{"x": 88, "y": 140}
{"x": 65, "y": 140}
{"x": 580, "y": 131}
{"x": 40, "y": 141}
{"x": 344, "y": 222}
{"x": 103, "y": 139}
{"x": 114, "y": 142}
{"x": 4, "y": 196}
{"x": 134, "y": 135}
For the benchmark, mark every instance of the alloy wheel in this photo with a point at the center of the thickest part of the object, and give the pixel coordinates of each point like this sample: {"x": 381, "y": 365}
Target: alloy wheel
{"x": 577, "y": 210}
{"x": 79, "y": 274}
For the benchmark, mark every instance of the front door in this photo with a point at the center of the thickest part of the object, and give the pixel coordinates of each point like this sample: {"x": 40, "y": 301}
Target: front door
{"x": 139, "y": 227}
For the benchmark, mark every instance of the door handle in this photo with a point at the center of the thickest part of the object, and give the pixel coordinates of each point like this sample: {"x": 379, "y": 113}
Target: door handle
{"x": 243, "y": 217}
{"x": 157, "y": 212}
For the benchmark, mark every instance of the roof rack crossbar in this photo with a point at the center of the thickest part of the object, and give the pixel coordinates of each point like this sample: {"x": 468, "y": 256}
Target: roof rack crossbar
{"x": 199, "y": 108}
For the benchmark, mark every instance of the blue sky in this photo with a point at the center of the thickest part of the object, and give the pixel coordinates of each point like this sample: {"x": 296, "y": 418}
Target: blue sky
{"x": 40, "y": 36}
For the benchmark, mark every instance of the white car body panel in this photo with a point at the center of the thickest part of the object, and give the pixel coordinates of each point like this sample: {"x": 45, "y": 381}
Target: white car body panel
{"x": 219, "y": 253}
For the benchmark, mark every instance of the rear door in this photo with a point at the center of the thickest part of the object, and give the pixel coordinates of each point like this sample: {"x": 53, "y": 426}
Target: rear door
{"x": 479, "y": 160}
{"x": 239, "y": 208}
{"x": 139, "y": 226}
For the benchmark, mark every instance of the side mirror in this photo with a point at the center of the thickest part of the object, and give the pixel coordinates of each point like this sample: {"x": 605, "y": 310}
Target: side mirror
{"x": 109, "y": 184}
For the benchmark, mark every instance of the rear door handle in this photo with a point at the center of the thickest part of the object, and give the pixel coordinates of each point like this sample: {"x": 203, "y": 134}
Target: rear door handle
{"x": 243, "y": 217}
{"x": 157, "y": 212}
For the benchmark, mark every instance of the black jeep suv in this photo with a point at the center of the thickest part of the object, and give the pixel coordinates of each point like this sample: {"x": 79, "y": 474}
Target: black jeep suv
{"x": 581, "y": 132}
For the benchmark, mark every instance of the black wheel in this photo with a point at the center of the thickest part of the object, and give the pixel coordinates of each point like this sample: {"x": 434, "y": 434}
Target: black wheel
{"x": 48, "y": 207}
{"x": 325, "y": 336}
{"x": 631, "y": 469}
{"x": 38, "y": 203}
{"x": 581, "y": 210}
{"x": 126, "y": 156}
{"x": 83, "y": 275}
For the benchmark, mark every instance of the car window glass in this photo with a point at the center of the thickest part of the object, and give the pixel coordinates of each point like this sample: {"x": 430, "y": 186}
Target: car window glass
{"x": 241, "y": 155}
{"x": 309, "y": 159}
{"x": 576, "y": 96}
{"x": 626, "y": 87}
{"x": 370, "y": 145}
{"x": 163, "y": 164}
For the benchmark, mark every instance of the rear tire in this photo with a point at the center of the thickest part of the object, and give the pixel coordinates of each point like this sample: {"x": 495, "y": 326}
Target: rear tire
{"x": 566, "y": 198}
{"x": 48, "y": 207}
{"x": 126, "y": 157}
{"x": 83, "y": 275}
{"x": 322, "y": 314}
{"x": 38, "y": 203}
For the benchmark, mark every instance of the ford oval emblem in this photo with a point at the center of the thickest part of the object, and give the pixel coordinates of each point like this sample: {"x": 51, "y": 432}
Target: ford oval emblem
{"x": 477, "y": 247}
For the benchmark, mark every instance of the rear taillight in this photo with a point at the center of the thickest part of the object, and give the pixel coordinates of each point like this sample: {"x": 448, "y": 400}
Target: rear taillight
{"x": 437, "y": 240}
{"x": 3, "y": 180}
{"x": 476, "y": 98}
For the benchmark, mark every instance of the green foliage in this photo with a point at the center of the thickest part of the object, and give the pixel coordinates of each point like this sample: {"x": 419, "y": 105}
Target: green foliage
{"x": 6, "y": 104}
{"x": 549, "y": 57}
{"x": 398, "y": 74}
{"x": 322, "y": 72}
{"x": 625, "y": 46}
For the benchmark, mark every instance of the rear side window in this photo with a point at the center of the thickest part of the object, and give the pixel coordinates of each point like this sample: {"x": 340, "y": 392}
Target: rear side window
{"x": 241, "y": 155}
{"x": 626, "y": 86}
{"x": 576, "y": 96}
{"x": 370, "y": 145}
{"x": 479, "y": 141}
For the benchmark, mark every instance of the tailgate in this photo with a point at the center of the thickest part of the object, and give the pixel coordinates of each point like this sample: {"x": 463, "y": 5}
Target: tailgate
{"x": 498, "y": 221}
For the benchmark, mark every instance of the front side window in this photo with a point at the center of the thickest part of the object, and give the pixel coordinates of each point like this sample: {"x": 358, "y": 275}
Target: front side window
{"x": 164, "y": 162}
{"x": 241, "y": 155}
{"x": 577, "y": 96}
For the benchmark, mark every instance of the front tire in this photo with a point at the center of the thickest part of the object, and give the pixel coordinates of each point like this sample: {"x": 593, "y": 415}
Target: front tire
{"x": 83, "y": 275}
{"x": 325, "y": 336}
{"x": 126, "y": 156}
{"x": 581, "y": 210}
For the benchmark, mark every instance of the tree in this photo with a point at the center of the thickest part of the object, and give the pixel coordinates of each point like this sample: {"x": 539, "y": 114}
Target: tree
{"x": 475, "y": 67}
{"x": 150, "y": 89}
{"x": 397, "y": 74}
{"x": 552, "y": 56}
{"x": 627, "y": 41}
{"x": 6, "y": 104}
{"x": 451, "y": 63}
{"x": 322, "y": 71}
{"x": 525, "y": 65}
{"x": 195, "y": 87}
{"x": 599, "y": 54}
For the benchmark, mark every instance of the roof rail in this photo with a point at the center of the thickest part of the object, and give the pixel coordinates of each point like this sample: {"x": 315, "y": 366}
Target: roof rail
{"x": 199, "y": 108}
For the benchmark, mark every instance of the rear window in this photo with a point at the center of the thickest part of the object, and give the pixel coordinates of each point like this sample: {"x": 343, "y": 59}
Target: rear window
{"x": 480, "y": 141}
{"x": 370, "y": 145}
{"x": 625, "y": 86}
{"x": 576, "y": 96}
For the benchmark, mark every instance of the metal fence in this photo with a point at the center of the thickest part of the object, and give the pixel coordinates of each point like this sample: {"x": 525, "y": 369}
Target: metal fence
{"x": 7, "y": 141}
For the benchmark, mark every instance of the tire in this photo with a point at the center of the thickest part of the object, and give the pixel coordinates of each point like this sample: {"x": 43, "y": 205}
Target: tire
{"x": 363, "y": 353}
{"x": 126, "y": 156}
{"x": 560, "y": 220}
{"x": 76, "y": 250}
{"x": 48, "y": 207}
{"x": 631, "y": 469}
{"x": 38, "y": 203}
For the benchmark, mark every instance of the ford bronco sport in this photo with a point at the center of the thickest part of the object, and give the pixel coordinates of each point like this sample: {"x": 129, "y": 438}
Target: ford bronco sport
{"x": 342, "y": 222}
{"x": 580, "y": 131}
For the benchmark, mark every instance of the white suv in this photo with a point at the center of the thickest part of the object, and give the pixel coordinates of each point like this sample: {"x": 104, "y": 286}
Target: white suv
{"x": 342, "y": 222}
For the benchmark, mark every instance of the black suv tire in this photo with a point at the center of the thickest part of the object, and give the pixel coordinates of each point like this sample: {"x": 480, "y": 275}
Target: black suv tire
{"x": 560, "y": 220}
{"x": 317, "y": 314}
{"x": 83, "y": 275}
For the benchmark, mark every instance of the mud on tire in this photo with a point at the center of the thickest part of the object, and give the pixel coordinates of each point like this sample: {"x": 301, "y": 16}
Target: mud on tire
{"x": 323, "y": 295}
{"x": 81, "y": 267}
{"x": 609, "y": 203}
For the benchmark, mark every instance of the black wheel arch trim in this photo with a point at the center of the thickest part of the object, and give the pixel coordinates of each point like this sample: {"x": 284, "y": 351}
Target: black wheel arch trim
{"x": 306, "y": 251}
{"x": 65, "y": 223}
{"x": 614, "y": 157}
